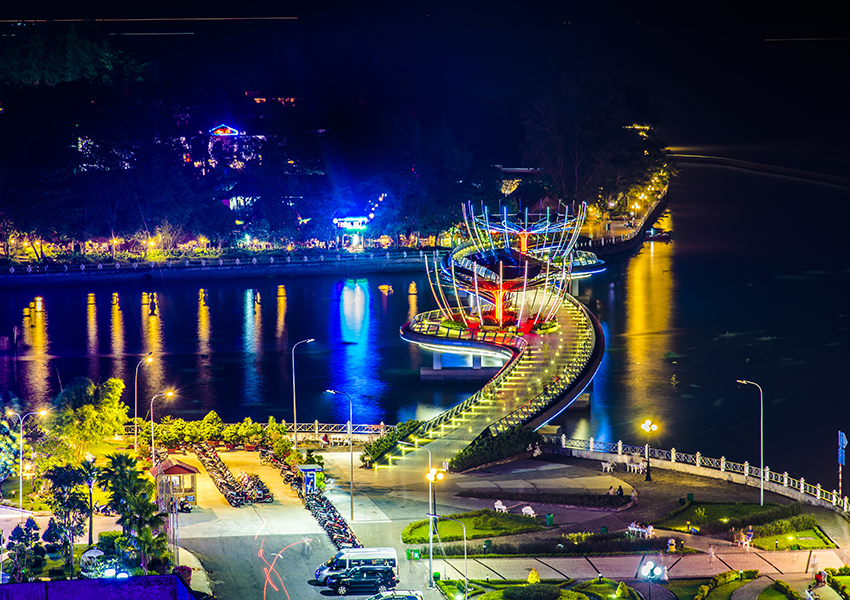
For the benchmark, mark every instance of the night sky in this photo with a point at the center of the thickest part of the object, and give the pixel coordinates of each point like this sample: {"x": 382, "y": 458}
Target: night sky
{"x": 707, "y": 66}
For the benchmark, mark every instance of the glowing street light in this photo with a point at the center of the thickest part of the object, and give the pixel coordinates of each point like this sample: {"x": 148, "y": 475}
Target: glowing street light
{"x": 350, "y": 447}
{"x": 147, "y": 359}
{"x": 465, "y": 578}
{"x": 648, "y": 426}
{"x": 433, "y": 476}
{"x": 168, "y": 394}
{"x": 294, "y": 413}
{"x": 651, "y": 572}
{"x": 21, "y": 452}
{"x": 761, "y": 432}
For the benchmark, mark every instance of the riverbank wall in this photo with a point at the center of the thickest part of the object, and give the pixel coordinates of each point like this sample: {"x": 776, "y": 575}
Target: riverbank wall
{"x": 149, "y": 273}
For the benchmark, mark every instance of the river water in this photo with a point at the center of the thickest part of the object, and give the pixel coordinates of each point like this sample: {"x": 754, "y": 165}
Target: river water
{"x": 755, "y": 287}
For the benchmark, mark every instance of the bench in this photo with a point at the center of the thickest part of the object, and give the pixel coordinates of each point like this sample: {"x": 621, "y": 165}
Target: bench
{"x": 607, "y": 467}
{"x": 528, "y": 511}
{"x": 500, "y": 508}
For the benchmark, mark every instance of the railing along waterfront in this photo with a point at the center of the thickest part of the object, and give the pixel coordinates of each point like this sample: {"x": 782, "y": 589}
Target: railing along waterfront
{"x": 316, "y": 428}
{"x": 776, "y": 482}
{"x": 211, "y": 263}
{"x": 553, "y": 391}
{"x": 424, "y": 323}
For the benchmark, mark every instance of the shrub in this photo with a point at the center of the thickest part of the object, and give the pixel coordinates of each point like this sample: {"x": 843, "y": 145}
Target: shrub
{"x": 533, "y": 576}
{"x": 185, "y": 573}
{"x": 489, "y": 448}
{"x": 782, "y": 526}
{"x": 723, "y": 579}
{"x": 699, "y": 516}
{"x": 377, "y": 449}
{"x": 106, "y": 541}
{"x": 785, "y": 589}
{"x": 759, "y": 518}
{"x": 536, "y": 591}
{"x": 622, "y": 590}
{"x": 673, "y": 513}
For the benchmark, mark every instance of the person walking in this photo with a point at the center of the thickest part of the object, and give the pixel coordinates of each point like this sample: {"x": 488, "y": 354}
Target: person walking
{"x": 711, "y": 555}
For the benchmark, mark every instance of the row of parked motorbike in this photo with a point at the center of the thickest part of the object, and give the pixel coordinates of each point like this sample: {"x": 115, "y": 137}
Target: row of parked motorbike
{"x": 247, "y": 489}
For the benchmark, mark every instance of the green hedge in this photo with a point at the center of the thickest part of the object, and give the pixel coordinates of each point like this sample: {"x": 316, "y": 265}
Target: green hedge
{"x": 377, "y": 449}
{"x": 673, "y": 513}
{"x": 759, "y": 518}
{"x": 588, "y": 544}
{"x": 785, "y": 589}
{"x": 527, "y": 524}
{"x": 723, "y": 579}
{"x": 839, "y": 587}
{"x": 489, "y": 449}
{"x": 593, "y": 500}
{"x": 782, "y": 526}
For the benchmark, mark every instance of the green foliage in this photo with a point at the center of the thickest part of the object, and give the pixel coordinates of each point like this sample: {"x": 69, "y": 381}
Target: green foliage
{"x": 673, "y": 513}
{"x": 211, "y": 426}
{"x": 21, "y": 542}
{"x": 699, "y": 516}
{"x": 312, "y": 458}
{"x": 488, "y": 449}
{"x": 106, "y": 541}
{"x": 723, "y": 579}
{"x": 591, "y": 500}
{"x": 536, "y": 591}
{"x": 417, "y": 532}
{"x": 783, "y": 526}
{"x": 785, "y": 589}
{"x": 756, "y": 518}
{"x": 68, "y": 500}
{"x": 251, "y": 432}
{"x": 230, "y": 434}
{"x": 622, "y": 590}
{"x": 8, "y": 450}
{"x": 282, "y": 447}
{"x": 377, "y": 449}
{"x": 449, "y": 324}
{"x": 86, "y": 413}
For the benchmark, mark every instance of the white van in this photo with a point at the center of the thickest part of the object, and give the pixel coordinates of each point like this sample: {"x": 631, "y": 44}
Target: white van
{"x": 354, "y": 557}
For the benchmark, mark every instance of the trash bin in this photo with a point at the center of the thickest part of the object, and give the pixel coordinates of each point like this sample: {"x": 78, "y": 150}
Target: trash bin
{"x": 550, "y": 520}
{"x": 603, "y": 529}
{"x": 671, "y": 546}
{"x": 682, "y": 501}
{"x": 436, "y": 576}
{"x": 487, "y": 544}
{"x": 690, "y": 497}
{"x": 409, "y": 553}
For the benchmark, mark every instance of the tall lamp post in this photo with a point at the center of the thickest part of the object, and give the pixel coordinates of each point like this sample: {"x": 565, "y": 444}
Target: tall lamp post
{"x": 651, "y": 572}
{"x": 465, "y": 578}
{"x": 168, "y": 394}
{"x": 648, "y": 426}
{"x": 350, "y": 447}
{"x": 430, "y": 519}
{"x": 21, "y": 453}
{"x": 294, "y": 413}
{"x": 147, "y": 359}
{"x": 761, "y": 432}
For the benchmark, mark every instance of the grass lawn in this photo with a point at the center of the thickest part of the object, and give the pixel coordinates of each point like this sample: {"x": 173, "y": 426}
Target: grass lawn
{"x": 685, "y": 589}
{"x": 495, "y": 526}
{"x": 843, "y": 580}
{"x": 714, "y": 511}
{"x": 606, "y": 589}
{"x": 772, "y": 594}
{"x": 802, "y": 540}
{"x": 724, "y": 592}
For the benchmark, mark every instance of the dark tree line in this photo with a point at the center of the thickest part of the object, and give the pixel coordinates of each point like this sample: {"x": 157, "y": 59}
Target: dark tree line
{"x": 97, "y": 148}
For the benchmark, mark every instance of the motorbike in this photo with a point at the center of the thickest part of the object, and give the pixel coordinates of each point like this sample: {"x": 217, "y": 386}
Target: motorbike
{"x": 184, "y": 507}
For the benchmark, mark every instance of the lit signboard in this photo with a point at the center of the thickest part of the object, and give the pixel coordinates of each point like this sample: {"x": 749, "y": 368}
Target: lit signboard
{"x": 352, "y": 223}
{"x": 224, "y": 130}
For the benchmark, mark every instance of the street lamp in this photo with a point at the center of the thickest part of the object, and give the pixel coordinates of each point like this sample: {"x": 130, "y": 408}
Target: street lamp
{"x": 465, "y": 578}
{"x": 148, "y": 359}
{"x": 430, "y": 511}
{"x": 350, "y": 447}
{"x": 21, "y": 452}
{"x": 168, "y": 394}
{"x": 648, "y": 426}
{"x": 761, "y": 432}
{"x": 651, "y": 572}
{"x": 294, "y": 413}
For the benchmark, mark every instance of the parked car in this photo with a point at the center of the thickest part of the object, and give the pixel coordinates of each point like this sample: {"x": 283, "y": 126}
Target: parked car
{"x": 363, "y": 579}
{"x": 398, "y": 595}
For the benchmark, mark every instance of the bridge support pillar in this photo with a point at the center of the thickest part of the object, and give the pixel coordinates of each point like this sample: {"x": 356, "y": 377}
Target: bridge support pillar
{"x": 574, "y": 287}
{"x": 437, "y": 362}
{"x": 476, "y": 361}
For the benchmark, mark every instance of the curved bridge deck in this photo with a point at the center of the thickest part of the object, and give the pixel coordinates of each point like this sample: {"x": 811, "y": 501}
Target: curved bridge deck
{"x": 544, "y": 374}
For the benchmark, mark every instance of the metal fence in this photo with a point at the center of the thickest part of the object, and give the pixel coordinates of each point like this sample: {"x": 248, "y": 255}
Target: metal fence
{"x": 316, "y": 428}
{"x": 721, "y": 465}
{"x": 211, "y": 263}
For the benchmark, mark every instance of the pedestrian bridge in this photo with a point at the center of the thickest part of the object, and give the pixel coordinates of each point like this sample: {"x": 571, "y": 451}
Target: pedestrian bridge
{"x": 543, "y": 375}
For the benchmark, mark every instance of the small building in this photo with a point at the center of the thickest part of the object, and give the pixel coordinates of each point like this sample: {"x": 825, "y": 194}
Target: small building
{"x": 182, "y": 477}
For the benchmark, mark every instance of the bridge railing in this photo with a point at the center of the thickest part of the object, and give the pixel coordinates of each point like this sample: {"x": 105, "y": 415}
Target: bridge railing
{"x": 776, "y": 482}
{"x": 211, "y": 263}
{"x": 428, "y": 323}
{"x": 315, "y": 428}
{"x": 555, "y": 390}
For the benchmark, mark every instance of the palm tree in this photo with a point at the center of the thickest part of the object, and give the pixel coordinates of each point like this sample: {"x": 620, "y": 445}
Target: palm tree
{"x": 121, "y": 477}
